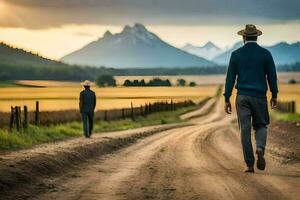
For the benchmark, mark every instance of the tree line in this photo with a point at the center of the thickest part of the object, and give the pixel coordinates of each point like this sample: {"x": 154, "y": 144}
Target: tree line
{"x": 79, "y": 73}
{"x": 109, "y": 81}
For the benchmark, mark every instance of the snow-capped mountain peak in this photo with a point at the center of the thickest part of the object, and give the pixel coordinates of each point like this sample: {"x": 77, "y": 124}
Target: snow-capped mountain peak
{"x": 210, "y": 45}
{"x": 208, "y": 51}
{"x": 134, "y": 46}
{"x": 137, "y": 33}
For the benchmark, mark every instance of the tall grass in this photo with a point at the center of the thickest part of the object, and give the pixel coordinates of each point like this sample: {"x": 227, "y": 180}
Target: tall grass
{"x": 36, "y": 135}
{"x": 276, "y": 115}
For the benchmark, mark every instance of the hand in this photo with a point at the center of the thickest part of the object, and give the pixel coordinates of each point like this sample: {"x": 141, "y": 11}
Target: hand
{"x": 273, "y": 103}
{"x": 227, "y": 107}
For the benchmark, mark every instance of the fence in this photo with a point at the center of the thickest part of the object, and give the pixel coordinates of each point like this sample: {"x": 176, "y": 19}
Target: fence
{"x": 287, "y": 107}
{"x": 19, "y": 119}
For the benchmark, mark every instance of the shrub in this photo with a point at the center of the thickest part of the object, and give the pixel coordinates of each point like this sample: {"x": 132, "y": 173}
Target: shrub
{"x": 159, "y": 82}
{"x": 106, "y": 80}
{"x": 192, "y": 84}
{"x": 292, "y": 81}
{"x": 181, "y": 82}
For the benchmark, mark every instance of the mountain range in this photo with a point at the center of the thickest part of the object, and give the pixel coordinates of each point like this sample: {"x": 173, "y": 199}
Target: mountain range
{"x": 134, "y": 47}
{"x": 283, "y": 53}
{"x": 207, "y": 51}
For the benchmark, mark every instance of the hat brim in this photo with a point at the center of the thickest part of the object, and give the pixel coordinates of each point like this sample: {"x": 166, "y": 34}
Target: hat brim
{"x": 243, "y": 33}
{"x": 86, "y": 84}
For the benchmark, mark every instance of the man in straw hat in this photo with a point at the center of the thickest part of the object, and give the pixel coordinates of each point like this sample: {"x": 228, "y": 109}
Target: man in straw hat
{"x": 254, "y": 68}
{"x": 87, "y": 104}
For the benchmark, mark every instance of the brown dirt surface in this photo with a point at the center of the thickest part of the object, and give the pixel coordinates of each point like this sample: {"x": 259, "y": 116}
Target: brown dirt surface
{"x": 284, "y": 139}
{"x": 200, "y": 161}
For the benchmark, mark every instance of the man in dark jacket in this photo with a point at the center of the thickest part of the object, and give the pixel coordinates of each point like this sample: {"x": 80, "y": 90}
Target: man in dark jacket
{"x": 87, "y": 104}
{"x": 254, "y": 68}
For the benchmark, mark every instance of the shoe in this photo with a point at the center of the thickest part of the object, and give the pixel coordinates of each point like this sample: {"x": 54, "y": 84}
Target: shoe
{"x": 261, "y": 162}
{"x": 250, "y": 169}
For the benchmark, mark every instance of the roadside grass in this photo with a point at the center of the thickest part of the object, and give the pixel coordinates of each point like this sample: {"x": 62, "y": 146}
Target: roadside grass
{"x": 279, "y": 116}
{"x": 35, "y": 135}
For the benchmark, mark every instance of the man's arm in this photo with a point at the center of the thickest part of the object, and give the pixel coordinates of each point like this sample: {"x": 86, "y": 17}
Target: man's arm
{"x": 230, "y": 78}
{"x": 272, "y": 79}
{"x": 230, "y": 81}
{"x": 95, "y": 100}
{"x": 80, "y": 102}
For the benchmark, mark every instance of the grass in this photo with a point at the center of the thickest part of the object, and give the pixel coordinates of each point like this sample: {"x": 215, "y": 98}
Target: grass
{"x": 276, "y": 115}
{"x": 65, "y": 97}
{"x": 36, "y": 135}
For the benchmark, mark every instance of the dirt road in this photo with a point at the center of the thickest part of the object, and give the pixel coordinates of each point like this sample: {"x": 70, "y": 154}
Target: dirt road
{"x": 202, "y": 161}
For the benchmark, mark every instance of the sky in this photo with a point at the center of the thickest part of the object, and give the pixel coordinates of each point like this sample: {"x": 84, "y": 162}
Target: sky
{"x": 55, "y": 28}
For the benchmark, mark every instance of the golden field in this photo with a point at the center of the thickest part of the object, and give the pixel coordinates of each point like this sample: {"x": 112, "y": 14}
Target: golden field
{"x": 64, "y": 95}
{"x": 287, "y": 92}
{"x": 61, "y": 95}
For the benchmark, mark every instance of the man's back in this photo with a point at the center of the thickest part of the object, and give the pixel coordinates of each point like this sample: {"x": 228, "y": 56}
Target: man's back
{"x": 87, "y": 101}
{"x": 253, "y": 66}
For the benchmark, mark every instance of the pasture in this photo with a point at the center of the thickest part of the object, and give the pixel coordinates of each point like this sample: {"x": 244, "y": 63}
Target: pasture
{"x": 65, "y": 96}
{"x": 59, "y": 95}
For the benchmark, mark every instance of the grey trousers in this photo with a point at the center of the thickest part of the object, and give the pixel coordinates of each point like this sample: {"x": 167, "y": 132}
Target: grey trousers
{"x": 252, "y": 111}
{"x": 88, "y": 123}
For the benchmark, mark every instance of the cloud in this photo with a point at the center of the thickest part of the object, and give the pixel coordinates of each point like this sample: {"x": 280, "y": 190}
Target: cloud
{"x": 39, "y": 14}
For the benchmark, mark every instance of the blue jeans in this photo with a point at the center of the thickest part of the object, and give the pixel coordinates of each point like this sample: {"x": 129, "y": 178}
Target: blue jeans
{"x": 252, "y": 111}
{"x": 88, "y": 123}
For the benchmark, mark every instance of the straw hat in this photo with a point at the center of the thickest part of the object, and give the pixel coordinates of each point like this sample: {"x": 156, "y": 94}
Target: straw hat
{"x": 250, "y": 30}
{"x": 86, "y": 83}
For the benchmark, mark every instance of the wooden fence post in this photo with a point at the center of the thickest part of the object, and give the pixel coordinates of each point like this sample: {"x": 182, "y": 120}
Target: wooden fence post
{"x": 123, "y": 113}
{"x": 20, "y": 117}
{"x": 25, "y": 122}
{"x": 293, "y": 106}
{"x": 17, "y": 118}
{"x": 146, "y": 110}
{"x": 105, "y": 115}
{"x": 150, "y": 108}
{"x": 142, "y": 111}
{"x": 12, "y": 119}
{"x": 37, "y": 110}
{"x": 132, "y": 112}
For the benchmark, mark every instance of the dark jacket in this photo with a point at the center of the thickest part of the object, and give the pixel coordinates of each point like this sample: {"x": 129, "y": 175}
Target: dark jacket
{"x": 87, "y": 101}
{"x": 254, "y": 68}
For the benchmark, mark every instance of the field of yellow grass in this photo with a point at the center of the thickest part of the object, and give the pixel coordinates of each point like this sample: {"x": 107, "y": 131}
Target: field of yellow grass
{"x": 55, "y": 95}
{"x": 61, "y": 95}
{"x": 287, "y": 92}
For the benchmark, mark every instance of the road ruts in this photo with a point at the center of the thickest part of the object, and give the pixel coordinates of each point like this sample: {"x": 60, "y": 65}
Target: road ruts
{"x": 201, "y": 161}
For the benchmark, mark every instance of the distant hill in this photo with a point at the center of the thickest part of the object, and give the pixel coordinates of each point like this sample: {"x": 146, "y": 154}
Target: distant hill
{"x": 16, "y": 63}
{"x": 134, "y": 47}
{"x": 283, "y": 53}
{"x": 224, "y": 57}
{"x": 208, "y": 51}
{"x": 16, "y": 56}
